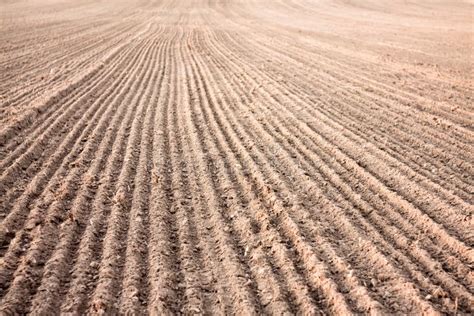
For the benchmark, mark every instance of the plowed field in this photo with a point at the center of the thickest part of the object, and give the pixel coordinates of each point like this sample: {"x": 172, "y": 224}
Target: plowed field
{"x": 236, "y": 157}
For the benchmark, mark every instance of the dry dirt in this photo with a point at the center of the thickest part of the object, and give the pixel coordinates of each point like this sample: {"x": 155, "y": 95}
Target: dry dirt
{"x": 236, "y": 156}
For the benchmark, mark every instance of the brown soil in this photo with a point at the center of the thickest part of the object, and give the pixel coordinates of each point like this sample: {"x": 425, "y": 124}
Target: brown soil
{"x": 236, "y": 157}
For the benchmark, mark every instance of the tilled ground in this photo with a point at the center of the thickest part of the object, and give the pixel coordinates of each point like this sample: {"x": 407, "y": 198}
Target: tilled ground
{"x": 236, "y": 156}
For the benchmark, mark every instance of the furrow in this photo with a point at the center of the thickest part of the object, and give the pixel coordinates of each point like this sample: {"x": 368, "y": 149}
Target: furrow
{"x": 36, "y": 186}
{"x": 269, "y": 291}
{"x": 42, "y": 243}
{"x": 44, "y": 102}
{"x": 421, "y": 304}
{"x": 60, "y": 61}
{"x": 368, "y": 305}
{"x": 293, "y": 157}
{"x": 162, "y": 274}
{"x": 363, "y": 78}
{"x": 83, "y": 274}
{"x": 55, "y": 276}
{"x": 242, "y": 297}
{"x": 319, "y": 282}
{"x": 312, "y": 122}
{"x": 261, "y": 221}
{"x": 36, "y": 155}
{"x": 105, "y": 297}
{"x": 134, "y": 286}
{"x": 297, "y": 90}
{"x": 332, "y": 90}
{"x": 289, "y": 136}
{"x": 52, "y": 113}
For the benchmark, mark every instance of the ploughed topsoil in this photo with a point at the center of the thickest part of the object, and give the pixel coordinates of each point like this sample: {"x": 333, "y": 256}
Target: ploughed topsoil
{"x": 236, "y": 157}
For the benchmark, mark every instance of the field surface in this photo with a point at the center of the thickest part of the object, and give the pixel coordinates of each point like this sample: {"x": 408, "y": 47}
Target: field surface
{"x": 236, "y": 157}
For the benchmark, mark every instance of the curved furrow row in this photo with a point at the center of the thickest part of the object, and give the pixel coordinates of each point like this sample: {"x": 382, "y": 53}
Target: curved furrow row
{"x": 302, "y": 87}
{"x": 285, "y": 200}
{"x": 269, "y": 290}
{"x": 43, "y": 19}
{"x": 343, "y": 182}
{"x": 461, "y": 273}
{"x": 439, "y": 176}
{"x": 86, "y": 45}
{"x": 89, "y": 251}
{"x": 232, "y": 273}
{"x": 339, "y": 304}
{"x": 385, "y": 87}
{"x": 263, "y": 222}
{"x": 19, "y": 145}
{"x": 38, "y": 224}
{"x": 49, "y": 108}
{"x": 192, "y": 280}
{"x": 135, "y": 286}
{"x": 104, "y": 293}
{"x": 352, "y": 283}
{"x": 163, "y": 252}
{"x": 460, "y": 134}
{"x": 398, "y": 138}
{"x": 438, "y": 153}
{"x": 39, "y": 181}
{"x": 277, "y": 124}
{"x": 43, "y": 103}
{"x": 26, "y": 137}
{"x": 74, "y": 29}
{"x": 76, "y": 137}
{"x": 34, "y": 158}
{"x": 338, "y": 80}
{"x": 22, "y": 52}
{"x": 28, "y": 33}
{"x": 83, "y": 42}
{"x": 367, "y": 209}
{"x": 273, "y": 93}
{"x": 113, "y": 252}
{"x": 298, "y": 50}
{"x": 46, "y": 80}
{"x": 461, "y": 204}
{"x": 61, "y": 260}
{"x": 236, "y": 157}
